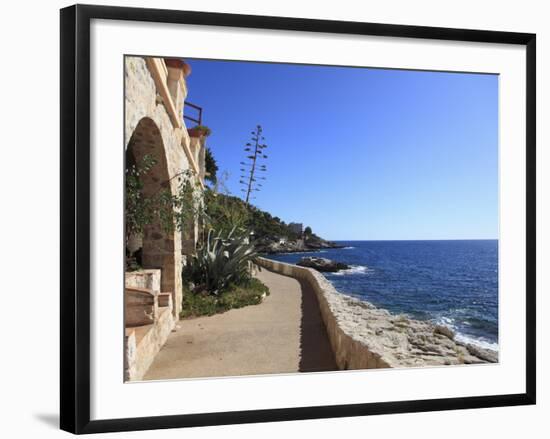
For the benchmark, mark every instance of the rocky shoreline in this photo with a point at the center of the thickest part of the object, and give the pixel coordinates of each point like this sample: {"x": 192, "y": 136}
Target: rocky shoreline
{"x": 399, "y": 340}
{"x": 364, "y": 334}
{"x": 404, "y": 342}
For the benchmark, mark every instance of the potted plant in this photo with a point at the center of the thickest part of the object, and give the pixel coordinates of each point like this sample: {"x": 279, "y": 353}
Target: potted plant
{"x": 199, "y": 131}
{"x": 178, "y": 63}
{"x": 186, "y": 69}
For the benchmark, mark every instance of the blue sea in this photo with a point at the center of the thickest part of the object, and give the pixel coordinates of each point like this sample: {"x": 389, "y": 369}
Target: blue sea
{"x": 454, "y": 283}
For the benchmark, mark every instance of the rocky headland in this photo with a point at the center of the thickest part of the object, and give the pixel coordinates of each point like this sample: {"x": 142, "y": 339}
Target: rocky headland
{"x": 272, "y": 245}
{"x": 322, "y": 264}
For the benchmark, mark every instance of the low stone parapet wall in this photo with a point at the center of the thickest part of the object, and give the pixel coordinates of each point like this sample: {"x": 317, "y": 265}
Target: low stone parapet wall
{"x": 143, "y": 343}
{"x": 349, "y": 352}
{"x": 149, "y": 279}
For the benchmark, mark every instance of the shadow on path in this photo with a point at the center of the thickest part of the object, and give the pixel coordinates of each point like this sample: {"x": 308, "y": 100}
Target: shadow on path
{"x": 315, "y": 351}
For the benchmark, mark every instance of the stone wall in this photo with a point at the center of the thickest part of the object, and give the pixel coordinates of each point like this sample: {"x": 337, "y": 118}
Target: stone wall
{"x": 148, "y": 321}
{"x": 349, "y": 352}
{"x": 363, "y": 336}
{"x": 154, "y": 99}
{"x": 143, "y": 343}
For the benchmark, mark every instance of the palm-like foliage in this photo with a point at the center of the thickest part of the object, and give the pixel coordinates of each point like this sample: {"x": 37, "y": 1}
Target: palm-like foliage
{"x": 221, "y": 261}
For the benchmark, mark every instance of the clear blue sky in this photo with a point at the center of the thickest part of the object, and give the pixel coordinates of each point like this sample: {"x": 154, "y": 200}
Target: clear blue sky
{"x": 360, "y": 153}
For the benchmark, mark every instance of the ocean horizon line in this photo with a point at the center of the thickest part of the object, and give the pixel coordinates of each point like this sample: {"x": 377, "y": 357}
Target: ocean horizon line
{"x": 413, "y": 240}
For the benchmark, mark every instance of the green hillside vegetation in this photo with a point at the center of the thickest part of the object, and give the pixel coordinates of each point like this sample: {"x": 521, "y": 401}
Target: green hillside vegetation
{"x": 226, "y": 211}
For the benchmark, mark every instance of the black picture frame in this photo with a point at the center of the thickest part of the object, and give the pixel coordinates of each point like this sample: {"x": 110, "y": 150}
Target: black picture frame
{"x": 75, "y": 217}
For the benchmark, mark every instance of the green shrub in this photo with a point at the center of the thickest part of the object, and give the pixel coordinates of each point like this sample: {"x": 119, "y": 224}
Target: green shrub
{"x": 250, "y": 292}
{"x": 210, "y": 166}
{"x": 204, "y": 130}
{"x": 224, "y": 211}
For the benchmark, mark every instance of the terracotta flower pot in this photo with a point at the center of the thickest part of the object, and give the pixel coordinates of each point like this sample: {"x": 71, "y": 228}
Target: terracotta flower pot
{"x": 197, "y": 132}
{"x": 194, "y": 132}
{"x": 175, "y": 63}
{"x": 178, "y": 63}
{"x": 186, "y": 69}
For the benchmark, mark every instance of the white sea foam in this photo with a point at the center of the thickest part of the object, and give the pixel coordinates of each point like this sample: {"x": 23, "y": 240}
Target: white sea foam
{"x": 347, "y": 248}
{"x": 354, "y": 269}
{"x": 476, "y": 341}
{"x": 445, "y": 321}
{"x": 467, "y": 339}
{"x": 305, "y": 252}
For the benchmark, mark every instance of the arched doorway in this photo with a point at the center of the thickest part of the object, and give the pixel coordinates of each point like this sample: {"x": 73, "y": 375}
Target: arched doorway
{"x": 158, "y": 246}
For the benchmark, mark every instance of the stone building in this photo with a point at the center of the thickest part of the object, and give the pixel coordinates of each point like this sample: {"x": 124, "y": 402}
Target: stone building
{"x": 296, "y": 227}
{"x": 155, "y": 93}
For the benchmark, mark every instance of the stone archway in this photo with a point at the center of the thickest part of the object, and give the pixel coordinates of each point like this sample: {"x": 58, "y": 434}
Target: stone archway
{"x": 159, "y": 249}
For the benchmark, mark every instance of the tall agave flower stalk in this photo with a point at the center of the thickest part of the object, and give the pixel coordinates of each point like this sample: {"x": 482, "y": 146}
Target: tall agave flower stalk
{"x": 252, "y": 166}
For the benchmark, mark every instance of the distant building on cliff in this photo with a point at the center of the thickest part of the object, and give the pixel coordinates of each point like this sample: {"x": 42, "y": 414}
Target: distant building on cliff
{"x": 297, "y": 228}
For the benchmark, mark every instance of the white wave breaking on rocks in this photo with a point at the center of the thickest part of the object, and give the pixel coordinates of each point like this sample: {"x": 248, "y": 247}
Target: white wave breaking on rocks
{"x": 449, "y": 322}
{"x": 354, "y": 269}
{"x": 476, "y": 342}
{"x": 443, "y": 321}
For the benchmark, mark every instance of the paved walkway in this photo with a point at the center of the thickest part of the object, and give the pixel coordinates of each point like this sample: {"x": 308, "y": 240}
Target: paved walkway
{"x": 284, "y": 334}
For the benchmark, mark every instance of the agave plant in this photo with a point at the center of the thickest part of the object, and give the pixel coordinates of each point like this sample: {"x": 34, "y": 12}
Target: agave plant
{"x": 221, "y": 261}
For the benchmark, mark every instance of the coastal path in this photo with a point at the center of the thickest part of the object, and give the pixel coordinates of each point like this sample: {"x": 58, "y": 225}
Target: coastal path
{"x": 283, "y": 334}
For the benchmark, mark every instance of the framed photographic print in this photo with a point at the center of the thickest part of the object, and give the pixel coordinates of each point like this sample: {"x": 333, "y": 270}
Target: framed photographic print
{"x": 272, "y": 218}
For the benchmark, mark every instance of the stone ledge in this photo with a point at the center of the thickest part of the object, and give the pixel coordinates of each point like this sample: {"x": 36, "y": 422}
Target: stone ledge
{"x": 149, "y": 279}
{"x": 149, "y": 320}
{"x": 140, "y": 307}
{"x": 165, "y": 299}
